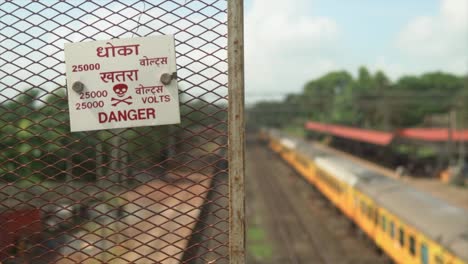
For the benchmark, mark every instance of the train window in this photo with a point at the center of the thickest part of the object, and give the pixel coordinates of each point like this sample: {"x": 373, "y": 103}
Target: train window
{"x": 376, "y": 216}
{"x": 424, "y": 254}
{"x": 392, "y": 229}
{"x": 439, "y": 259}
{"x": 412, "y": 245}
{"x": 402, "y": 236}
{"x": 369, "y": 212}
{"x": 363, "y": 207}
{"x": 384, "y": 223}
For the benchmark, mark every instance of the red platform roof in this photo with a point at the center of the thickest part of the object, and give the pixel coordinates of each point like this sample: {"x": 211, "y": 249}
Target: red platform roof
{"x": 433, "y": 134}
{"x": 319, "y": 127}
{"x": 385, "y": 138}
{"x": 364, "y": 135}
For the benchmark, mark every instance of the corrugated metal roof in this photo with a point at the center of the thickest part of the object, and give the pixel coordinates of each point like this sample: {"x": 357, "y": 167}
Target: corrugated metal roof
{"x": 432, "y": 134}
{"x": 364, "y": 135}
{"x": 384, "y": 138}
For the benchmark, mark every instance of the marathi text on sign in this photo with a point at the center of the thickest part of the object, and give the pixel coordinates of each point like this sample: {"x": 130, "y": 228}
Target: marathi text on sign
{"x": 152, "y": 61}
{"x": 124, "y": 50}
{"x": 122, "y": 83}
{"x": 120, "y": 76}
{"x": 149, "y": 89}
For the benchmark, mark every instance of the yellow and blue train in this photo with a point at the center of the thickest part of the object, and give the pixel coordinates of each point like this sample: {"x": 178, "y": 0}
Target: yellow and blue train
{"x": 410, "y": 226}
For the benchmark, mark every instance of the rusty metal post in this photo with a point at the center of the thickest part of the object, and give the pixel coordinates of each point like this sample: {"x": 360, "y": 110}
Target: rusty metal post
{"x": 236, "y": 131}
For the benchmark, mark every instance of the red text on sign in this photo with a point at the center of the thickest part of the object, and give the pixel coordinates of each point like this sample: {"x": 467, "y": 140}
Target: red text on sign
{"x": 86, "y": 67}
{"x": 119, "y": 76}
{"x": 124, "y": 50}
{"x": 125, "y": 115}
{"x": 89, "y": 105}
{"x": 156, "y": 99}
{"x": 93, "y": 94}
{"x": 150, "y": 61}
{"x": 149, "y": 89}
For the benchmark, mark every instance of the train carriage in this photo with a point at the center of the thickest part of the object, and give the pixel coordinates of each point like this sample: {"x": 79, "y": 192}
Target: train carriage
{"x": 409, "y": 225}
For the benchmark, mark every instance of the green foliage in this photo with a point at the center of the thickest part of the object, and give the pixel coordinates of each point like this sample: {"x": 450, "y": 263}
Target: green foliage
{"x": 422, "y": 96}
{"x": 37, "y": 145}
{"x": 370, "y": 101}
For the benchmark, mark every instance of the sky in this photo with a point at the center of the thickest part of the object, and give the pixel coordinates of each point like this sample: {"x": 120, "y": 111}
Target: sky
{"x": 288, "y": 43}
{"x": 33, "y": 34}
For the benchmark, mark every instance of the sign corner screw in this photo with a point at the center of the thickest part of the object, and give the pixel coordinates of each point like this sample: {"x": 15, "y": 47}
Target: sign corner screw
{"x": 78, "y": 86}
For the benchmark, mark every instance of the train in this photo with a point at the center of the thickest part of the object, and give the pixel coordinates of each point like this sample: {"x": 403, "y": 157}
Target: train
{"x": 409, "y": 225}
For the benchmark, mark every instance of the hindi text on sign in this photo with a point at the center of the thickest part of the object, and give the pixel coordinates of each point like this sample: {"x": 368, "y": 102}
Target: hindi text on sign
{"x": 123, "y": 50}
{"x": 151, "y": 61}
{"x": 149, "y": 89}
{"x": 122, "y": 83}
{"x": 119, "y": 76}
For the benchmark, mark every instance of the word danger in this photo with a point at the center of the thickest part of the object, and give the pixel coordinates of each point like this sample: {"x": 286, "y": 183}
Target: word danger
{"x": 156, "y": 99}
{"x": 125, "y": 115}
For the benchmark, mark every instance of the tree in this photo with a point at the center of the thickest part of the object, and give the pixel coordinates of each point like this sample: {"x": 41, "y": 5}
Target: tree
{"x": 417, "y": 97}
{"x": 371, "y": 101}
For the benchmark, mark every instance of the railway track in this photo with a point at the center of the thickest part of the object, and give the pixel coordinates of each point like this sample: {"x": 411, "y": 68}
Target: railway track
{"x": 290, "y": 232}
{"x": 301, "y": 225}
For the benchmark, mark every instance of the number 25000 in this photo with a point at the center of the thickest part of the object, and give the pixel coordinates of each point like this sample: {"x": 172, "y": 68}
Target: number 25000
{"x": 89, "y": 105}
{"x": 86, "y": 67}
{"x": 93, "y": 94}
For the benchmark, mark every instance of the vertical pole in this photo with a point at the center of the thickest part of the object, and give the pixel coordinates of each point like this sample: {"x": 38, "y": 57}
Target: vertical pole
{"x": 461, "y": 143}
{"x": 451, "y": 141}
{"x": 236, "y": 131}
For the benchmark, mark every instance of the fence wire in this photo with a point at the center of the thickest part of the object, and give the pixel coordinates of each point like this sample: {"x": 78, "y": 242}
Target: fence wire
{"x": 136, "y": 195}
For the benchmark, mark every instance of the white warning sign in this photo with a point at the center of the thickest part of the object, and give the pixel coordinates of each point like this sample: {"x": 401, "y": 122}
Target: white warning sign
{"x": 119, "y": 83}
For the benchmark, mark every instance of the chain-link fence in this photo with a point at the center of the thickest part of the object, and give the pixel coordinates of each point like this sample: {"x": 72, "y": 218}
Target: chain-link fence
{"x": 135, "y": 195}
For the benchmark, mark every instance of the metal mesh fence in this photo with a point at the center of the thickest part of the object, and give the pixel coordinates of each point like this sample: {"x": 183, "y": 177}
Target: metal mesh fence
{"x": 136, "y": 195}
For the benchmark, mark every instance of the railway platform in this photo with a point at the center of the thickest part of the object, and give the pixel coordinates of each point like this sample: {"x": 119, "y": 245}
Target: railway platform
{"x": 455, "y": 195}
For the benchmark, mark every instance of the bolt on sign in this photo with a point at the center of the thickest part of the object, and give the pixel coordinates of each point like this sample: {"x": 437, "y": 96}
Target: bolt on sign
{"x": 122, "y": 83}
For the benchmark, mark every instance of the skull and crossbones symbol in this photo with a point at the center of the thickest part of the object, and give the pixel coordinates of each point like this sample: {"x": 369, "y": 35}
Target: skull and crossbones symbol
{"x": 120, "y": 90}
